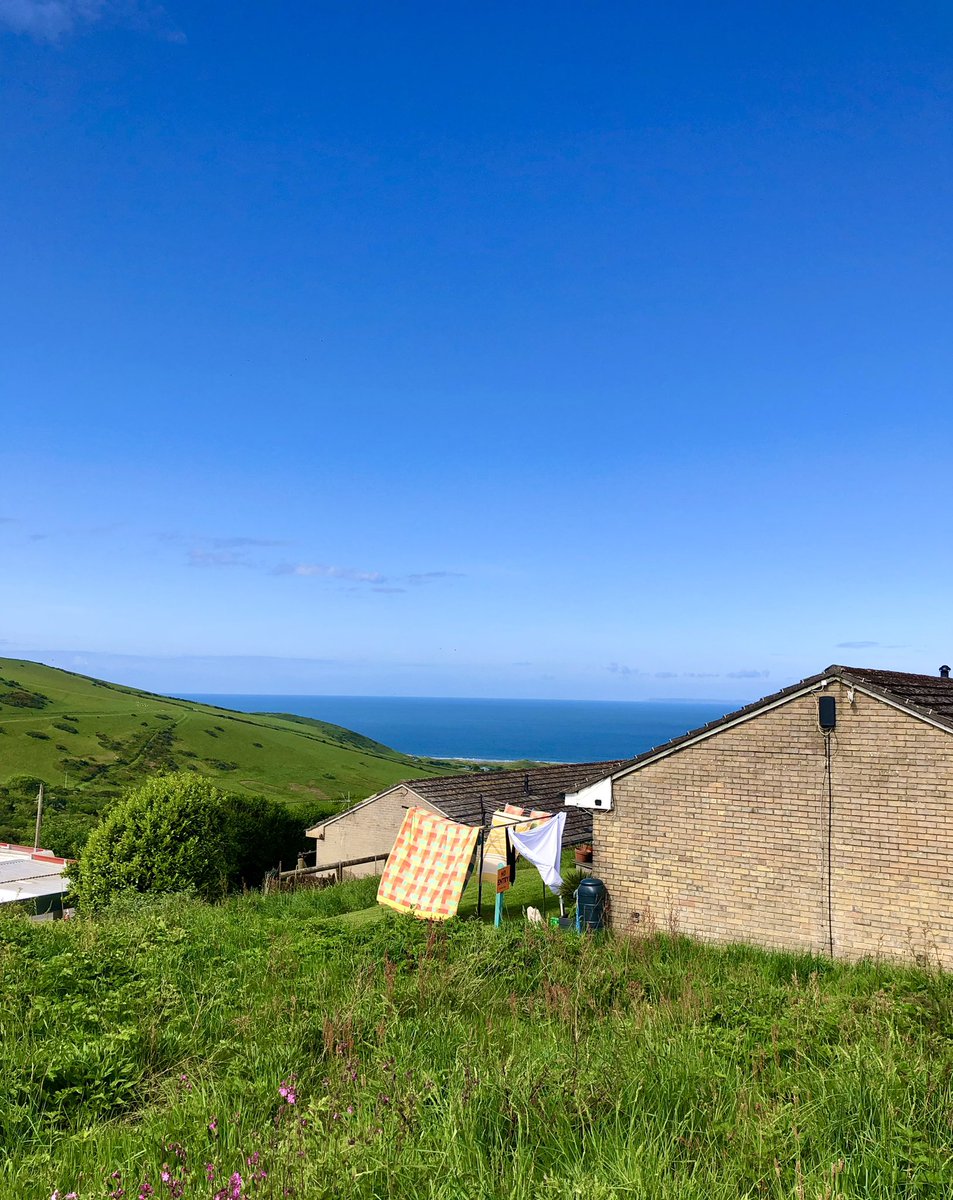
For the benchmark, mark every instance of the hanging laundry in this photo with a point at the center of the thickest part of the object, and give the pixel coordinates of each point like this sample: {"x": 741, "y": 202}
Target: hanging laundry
{"x": 428, "y": 868}
{"x": 510, "y": 817}
{"x": 543, "y": 847}
{"x": 493, "y": 863}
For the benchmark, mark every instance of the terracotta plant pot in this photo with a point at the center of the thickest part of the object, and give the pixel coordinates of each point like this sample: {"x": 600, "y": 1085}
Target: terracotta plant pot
{"x": 583, "y": 855}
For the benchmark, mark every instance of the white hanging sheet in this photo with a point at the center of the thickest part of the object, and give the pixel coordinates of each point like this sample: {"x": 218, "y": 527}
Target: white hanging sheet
{"x": 543, "y": 847}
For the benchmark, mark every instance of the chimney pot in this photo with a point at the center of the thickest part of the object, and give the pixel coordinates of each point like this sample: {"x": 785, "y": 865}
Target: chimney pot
{"x": 944, "y": 672}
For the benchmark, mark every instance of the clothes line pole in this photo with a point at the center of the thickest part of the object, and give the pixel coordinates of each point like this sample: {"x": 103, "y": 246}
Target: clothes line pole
{"x": 480, "y": 875}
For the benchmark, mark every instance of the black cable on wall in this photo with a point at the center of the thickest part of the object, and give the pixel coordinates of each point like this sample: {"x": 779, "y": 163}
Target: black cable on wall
{"x": 829, "y": 847}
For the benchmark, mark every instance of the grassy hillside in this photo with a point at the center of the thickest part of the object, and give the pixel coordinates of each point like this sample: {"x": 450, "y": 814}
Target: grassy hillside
{"x": 457, "y": 1061}
{"x": 88, "y": 739}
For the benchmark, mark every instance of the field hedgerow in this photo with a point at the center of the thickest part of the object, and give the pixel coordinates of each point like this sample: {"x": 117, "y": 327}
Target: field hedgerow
{"x": 260, "y": 1048}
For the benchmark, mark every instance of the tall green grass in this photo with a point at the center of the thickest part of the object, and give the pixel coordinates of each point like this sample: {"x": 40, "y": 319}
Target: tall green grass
{"x": 457, "y": 1061}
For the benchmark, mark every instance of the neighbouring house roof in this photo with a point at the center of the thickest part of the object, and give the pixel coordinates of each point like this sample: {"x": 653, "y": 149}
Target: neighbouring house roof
{"x": 458, "y": 797}
{"x": 928, "y": 697}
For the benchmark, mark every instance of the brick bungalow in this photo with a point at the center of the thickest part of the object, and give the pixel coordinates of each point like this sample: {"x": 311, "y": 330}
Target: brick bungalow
{"x": 369, "y": 828}
{"x": 767, "y": 827}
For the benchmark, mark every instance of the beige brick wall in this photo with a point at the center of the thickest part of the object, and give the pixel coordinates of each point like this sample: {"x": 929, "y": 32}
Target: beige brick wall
{"x": 369, "y": 829}
{"x": 728, "y": 838}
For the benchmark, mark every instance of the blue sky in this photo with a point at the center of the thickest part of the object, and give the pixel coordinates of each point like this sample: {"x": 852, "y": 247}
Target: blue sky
{"x": 531, "y": 350}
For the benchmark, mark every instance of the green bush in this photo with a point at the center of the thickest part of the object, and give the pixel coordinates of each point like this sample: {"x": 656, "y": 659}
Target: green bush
{"x": 180, "y": 833}
{"x": 168, "y": 835}
{"x": 263, "y": 833}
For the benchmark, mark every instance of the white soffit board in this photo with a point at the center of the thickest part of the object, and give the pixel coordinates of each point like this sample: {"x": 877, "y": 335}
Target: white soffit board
{"x": 596, "y": 795}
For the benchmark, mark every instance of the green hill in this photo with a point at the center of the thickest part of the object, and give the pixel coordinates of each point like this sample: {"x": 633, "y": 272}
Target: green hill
{"x": 87, "y": 740}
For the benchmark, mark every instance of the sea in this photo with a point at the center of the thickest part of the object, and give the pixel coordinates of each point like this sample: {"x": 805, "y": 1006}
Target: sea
{"x": 496, "y": 730}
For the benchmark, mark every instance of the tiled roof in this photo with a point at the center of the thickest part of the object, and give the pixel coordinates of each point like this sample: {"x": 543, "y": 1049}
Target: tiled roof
{"x": 458, "y": 796}
{"x": 925, "y": 695}
{"x": 930, "y": 695}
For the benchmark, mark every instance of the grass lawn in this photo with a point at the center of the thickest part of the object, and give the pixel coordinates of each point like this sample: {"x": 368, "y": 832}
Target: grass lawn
{"x": 528, "y": 890}
{"x": 457, "y": 1061}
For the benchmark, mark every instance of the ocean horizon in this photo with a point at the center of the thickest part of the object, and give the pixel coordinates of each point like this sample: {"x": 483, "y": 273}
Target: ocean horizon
{"x": 494, "y": 730}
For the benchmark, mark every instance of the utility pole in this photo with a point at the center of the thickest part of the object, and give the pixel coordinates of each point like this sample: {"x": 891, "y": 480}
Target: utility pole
{"x": 39, "y": 818}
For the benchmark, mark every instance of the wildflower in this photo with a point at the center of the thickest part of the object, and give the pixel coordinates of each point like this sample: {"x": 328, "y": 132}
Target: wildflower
{"x": 350, "y": 1110}
{"x": 166, "y": 1175}
{"x": 145, "y": 1191}
{"x": 213, "y": 1125}
{"x": 209, "y": 1172}
{"x": 235, "y": 1187}
{"x": 287, "y": 1090}
{"x": 252, "y": 1159}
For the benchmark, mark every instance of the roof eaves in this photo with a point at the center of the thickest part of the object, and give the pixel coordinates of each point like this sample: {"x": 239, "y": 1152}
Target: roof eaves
{"x": 346, "y": 812}
{"x": 856, "y": 679}
{"x": 684, "y": 740}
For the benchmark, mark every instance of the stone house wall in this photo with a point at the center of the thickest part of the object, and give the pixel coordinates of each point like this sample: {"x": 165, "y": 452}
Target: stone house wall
{"x": 370, "y": 828}
{"x": 729, "y": 838}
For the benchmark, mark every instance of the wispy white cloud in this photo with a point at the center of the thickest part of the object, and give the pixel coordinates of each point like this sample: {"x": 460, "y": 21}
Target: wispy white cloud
{"x": 623, "y": 670}
{"x": 217, "y": 558}
{"x": 329, "y": 571}
{"x": 244, "y": 542}
{"x": 221, "y": 542}
{"x": 53, "y": 20}
{"x": 426, "y": 576}
{"x": 871, "y": 645}
{"x": 221, "y": 551}
{"x": 388, "y": 584}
